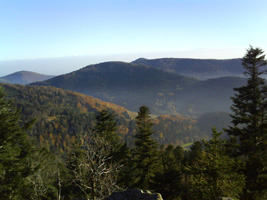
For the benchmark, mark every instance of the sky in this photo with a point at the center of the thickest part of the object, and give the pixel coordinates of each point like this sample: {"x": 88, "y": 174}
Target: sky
{"x": 60, "y": 36}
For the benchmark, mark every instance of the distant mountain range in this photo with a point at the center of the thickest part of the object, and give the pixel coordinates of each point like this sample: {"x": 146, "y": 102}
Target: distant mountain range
{"x": 132, "y": 85}
{"x": 197, "y": 68}
{"x": 24, "y": 77}
{"x": 184, "y": 104}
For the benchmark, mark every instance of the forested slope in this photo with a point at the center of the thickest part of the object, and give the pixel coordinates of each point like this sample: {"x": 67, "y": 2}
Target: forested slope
{"x": 133, "y": 85}
{"x": 61, "y": 115}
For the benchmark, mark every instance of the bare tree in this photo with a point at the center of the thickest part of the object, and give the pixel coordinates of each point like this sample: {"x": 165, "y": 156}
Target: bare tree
{"x": 44, "y": 168}
{"x": 95, "y": 172}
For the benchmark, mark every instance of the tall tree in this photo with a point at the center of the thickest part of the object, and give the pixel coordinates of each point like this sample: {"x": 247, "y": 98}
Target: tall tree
{"x": 249, "y": 123}
{"x": 146, "y": 153}
{"x": 106, "y": 125}
{"x": 214, "y": 174}
{"x": 94, "y": 161}
{"x": 93, "y": 169}
{"x": 15, "y": 152}
{"x": 168, "y": 181}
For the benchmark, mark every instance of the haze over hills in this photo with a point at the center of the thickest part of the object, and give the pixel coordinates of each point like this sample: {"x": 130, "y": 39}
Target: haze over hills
{"x": 211, "y": 95}
{"x": 197, "y": 68}
{"x": 61, "y": 115}
{"x": 132, "y": 85}
{"x": 125, "y": 84}
{"x": 24, "y": 77}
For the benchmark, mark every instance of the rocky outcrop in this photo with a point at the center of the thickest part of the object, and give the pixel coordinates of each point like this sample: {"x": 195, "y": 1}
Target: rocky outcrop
{"x": 134, "y": 194}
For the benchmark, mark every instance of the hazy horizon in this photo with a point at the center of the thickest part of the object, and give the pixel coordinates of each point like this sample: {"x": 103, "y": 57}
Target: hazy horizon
{"x": 63, "y": 65}
{"x": 37, "y": 35}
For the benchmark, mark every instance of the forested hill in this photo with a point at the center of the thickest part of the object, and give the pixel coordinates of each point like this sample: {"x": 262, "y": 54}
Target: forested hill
{"x": 211, "y": 95}
{"x": 198, "y": 68}
{"x": 24, "y": 77}
{"x": 133, "y": 85}
{"x": 61, "y": 115}
{"x": 126, "y": 84}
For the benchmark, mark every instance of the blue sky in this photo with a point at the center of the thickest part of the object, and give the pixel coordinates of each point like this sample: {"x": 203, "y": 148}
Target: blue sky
{"x": 91, "y": 31}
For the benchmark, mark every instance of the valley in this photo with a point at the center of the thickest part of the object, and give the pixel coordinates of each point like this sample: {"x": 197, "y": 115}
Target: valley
{"x": 183, "y": 108}
{"x": 133, "y": 85}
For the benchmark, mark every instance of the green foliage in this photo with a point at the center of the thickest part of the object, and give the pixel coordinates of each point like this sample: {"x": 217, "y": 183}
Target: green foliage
{"x": 220, "y": 120}
{"x": 195, "y": 152}
{"x": 176, "y": 130}
{"x": 168, "y": 181}
{"x": 145, "y": 150}
{"x": 15, "y": 151}
{"x": 93, "y": 162}
{"x": 98, "y": 161}
{"x": 106, "y": 126}
{"x": 214, "y": 174}
{"x": 44, "y": 178}
{"x": 249, "y": 121}
{"x": 60, "y": 114}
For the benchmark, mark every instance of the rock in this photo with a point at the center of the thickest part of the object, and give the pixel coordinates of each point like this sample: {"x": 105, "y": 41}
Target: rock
{"x": 134, "y": 194}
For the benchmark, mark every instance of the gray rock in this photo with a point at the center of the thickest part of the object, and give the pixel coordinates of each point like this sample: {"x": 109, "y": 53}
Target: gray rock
{"x": 134, "y": 194}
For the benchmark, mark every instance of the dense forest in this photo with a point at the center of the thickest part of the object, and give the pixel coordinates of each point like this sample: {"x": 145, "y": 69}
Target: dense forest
{"x": 97, "y": 161}
{"x": 61, "y": 114}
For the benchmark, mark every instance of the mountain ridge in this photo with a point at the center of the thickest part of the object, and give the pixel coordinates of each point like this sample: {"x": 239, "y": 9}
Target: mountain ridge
{"x": 126, "y": 84}
{"x": 132, "y": 85}
{"x": 197, "y": 68}
{"x": 24, "y": 77}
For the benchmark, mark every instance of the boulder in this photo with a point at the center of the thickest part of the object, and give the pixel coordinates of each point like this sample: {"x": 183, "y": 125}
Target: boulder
{"x": 134, "y": 194}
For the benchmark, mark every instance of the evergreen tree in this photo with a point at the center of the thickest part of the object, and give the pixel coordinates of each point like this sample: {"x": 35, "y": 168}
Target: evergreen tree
{"x": 71, "y": 187}
{"x": 106, "y": 125}
{"x": 191, "y": 157}
{"x": 43, "y": 180}
{"x": 214, "y": 174}
{"x": 168, "y": 181}
{"x": 15, "y": 152}
{"x": 146, "y": 153}
{"x": 249, "y": 124}
{"x": 195, "y": 152}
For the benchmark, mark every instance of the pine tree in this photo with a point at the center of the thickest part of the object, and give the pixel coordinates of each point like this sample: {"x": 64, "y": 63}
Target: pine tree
{"x": 168, "y": 181}
{"x": 214, "y": 174}
{"x": 146, "y": 154}
{"x": 14, "y": 153}
{"x": 249, "y": 123}
{"x": 106, "y": 125}
{"x": 195, "y": 152}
